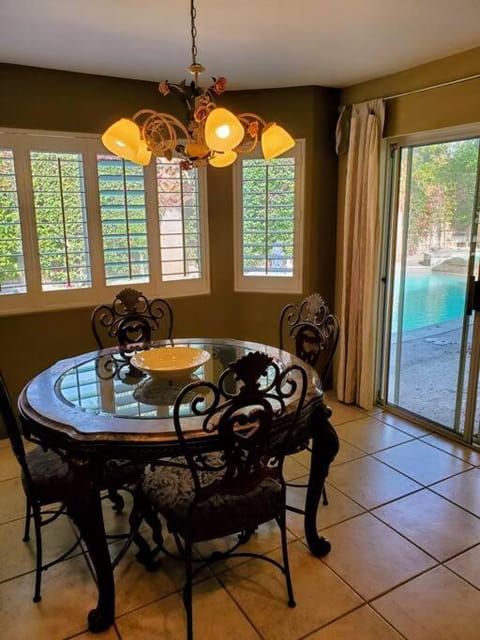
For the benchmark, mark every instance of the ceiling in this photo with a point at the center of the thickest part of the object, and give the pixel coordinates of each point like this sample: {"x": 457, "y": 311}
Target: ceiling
{"x": 254, "y": 43}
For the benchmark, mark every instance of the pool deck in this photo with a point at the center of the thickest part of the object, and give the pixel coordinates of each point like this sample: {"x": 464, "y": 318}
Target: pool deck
{"x": 430, "y": 331}
{"x": 430, "y": 355}
{"x": 430, "y": 367}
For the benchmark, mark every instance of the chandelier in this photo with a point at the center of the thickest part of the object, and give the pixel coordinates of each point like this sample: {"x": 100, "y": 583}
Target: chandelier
{"x": 212, "y": 135}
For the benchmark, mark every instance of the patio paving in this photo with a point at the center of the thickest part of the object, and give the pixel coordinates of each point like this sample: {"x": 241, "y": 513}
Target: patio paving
{"x": 429, "y": 371}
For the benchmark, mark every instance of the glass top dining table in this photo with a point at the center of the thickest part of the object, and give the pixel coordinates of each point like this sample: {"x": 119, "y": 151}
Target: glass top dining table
{"x": 98, "y": 407}
{"x": 109, "y": 383}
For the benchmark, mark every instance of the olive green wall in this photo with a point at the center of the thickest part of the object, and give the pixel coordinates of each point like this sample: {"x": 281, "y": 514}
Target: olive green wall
{"x": 55, "y": 100}
{"x": 447, "y": 106}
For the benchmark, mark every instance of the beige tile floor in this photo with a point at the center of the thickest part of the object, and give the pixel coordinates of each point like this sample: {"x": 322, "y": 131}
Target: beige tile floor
{"x": 403, "y": 520}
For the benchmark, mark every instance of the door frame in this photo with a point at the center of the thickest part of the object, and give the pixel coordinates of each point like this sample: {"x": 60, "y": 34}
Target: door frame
{"x": 388, "y": 211}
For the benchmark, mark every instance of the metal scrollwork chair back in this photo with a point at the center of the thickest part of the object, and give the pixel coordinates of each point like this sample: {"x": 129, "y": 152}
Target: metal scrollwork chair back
{"x": 131, "y": 318}
{"x": 313, "y": 330}
{"x": 45, "y": 478}
{"x": 252, "y": 413}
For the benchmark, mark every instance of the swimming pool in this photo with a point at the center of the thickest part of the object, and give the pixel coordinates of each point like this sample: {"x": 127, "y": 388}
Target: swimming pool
{"x": 430, "y": 298}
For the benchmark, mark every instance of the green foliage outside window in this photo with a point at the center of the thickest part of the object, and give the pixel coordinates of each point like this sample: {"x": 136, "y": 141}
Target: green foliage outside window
{"x": 442, "y": 184}
{"x": 268, "y": 194}
{"x": 60, "y": 219}
{"x": 12, "y": 273}
{"x": 123, "y": 217}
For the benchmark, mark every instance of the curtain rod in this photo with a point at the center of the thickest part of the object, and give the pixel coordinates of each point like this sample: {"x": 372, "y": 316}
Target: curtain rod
{"x": 433, "y": 86}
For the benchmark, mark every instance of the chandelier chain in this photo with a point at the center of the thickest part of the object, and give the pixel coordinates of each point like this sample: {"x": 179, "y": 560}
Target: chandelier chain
{"x": 193, "y": 31}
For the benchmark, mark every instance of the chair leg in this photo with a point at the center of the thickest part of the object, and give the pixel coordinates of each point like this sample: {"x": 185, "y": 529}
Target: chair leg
{"x": 143, "y": 511}
{"x": 144, "y": 554}
{"x": 116, "y": 499}
{"x": 187, "y": 590}
{"x": 155, "y": 525}
{"x": 281, "y": 521}
{"x": 28, "y": 516}
{"x": 39, "y": 559}
{"x": 324, "y": 496}
{"x": 246, "y": 534}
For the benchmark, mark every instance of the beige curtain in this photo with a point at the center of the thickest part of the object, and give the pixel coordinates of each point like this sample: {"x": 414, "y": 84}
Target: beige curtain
{"x": 360, "y": 246}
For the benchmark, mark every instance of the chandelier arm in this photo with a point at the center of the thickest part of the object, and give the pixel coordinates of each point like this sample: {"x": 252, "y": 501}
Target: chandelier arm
{"x": 142, "y": 112}
{"x": 176, "y": 123}
{"x": 159, "y": 130}
{"x": 152, "y": 132}
{"x": 152, "y": 114}
{"x": 248, "y": 117}
{"x": 246, "y": 148}
{"x": 167, "y": 118}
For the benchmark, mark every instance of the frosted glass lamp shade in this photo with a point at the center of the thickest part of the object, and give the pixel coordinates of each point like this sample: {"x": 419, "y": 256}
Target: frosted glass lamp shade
{"x": 123, "y": 139}
{"x": 223, "y": 159}
{"x": 223, "y": 130}
{"x": 144, "y": 154}
{"x": 275, "y": 141}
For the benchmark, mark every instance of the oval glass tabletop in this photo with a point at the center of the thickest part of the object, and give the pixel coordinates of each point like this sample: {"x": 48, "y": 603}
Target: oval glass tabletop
{"x": 109, "y": 383}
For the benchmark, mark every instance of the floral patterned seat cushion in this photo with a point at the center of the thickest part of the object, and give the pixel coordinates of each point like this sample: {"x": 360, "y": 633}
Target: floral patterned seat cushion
{"x": 171, "y": 492}
{"x": 50, "y": 475}
{"x": 118, "y": 473}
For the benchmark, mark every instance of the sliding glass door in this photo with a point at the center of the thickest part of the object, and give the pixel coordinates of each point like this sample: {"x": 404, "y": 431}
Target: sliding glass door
{"x": 430, "y": 345}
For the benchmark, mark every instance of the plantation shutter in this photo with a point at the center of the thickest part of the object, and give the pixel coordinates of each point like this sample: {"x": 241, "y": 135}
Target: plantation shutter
{"x": 121, "y": 188}
{"x": 77, "y": 222}
{"x": 268, "y": 216}
{"x": 12, "y": 269}
{"x": 60, "y": 218}
{"x": 179, "y": 219}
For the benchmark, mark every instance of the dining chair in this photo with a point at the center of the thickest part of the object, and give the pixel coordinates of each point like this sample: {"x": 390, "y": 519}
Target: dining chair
{"x": 45, "y": 479}
{"x": 131, "y": 318}
{"x": 204, "y": 496}
{"x": 312, "y": 330}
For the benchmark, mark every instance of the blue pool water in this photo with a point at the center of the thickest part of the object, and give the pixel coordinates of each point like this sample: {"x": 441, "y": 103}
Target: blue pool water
{"x": 430, "y": 298}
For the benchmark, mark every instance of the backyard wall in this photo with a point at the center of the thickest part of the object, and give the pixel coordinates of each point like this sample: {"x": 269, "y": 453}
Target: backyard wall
{"x": 61, "y": 101}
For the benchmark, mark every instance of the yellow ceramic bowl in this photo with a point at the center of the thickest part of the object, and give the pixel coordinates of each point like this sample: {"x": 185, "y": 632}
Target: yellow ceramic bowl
{"x": 170, "y": 362}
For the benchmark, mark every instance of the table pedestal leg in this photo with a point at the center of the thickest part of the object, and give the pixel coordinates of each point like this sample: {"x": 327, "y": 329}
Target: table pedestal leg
{"x": 324, "y": 449}
{"x": 85, "y": 508}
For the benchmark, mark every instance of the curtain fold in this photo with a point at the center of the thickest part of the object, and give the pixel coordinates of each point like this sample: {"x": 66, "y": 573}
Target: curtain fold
{"x": 360, "y": 246}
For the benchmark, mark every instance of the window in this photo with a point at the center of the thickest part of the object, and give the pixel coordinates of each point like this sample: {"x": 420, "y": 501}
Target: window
{"x": 58, "y": 190}
{"x": 268, "y": 222}
{"x": 77, "y": 223}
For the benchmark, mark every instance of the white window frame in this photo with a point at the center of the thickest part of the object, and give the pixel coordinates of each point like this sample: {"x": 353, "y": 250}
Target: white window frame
{"x": 35, "y": 299}
{"x": 271, "y": 283}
